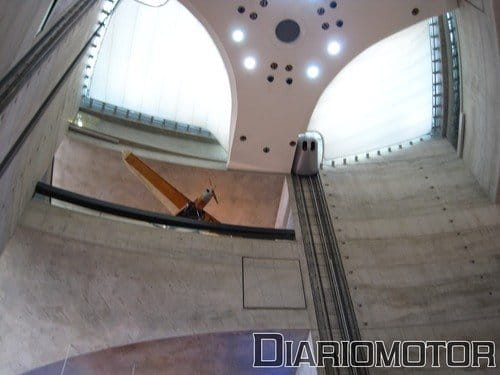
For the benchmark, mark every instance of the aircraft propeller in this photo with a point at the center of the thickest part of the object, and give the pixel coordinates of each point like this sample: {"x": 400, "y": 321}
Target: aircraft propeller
{"x": 213, "y": 190}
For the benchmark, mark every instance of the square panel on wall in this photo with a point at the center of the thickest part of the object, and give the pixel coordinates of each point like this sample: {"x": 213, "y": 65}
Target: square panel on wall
{"x": 270, "y": 283}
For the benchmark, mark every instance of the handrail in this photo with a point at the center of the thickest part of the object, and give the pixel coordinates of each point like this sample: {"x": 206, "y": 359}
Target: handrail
{"x": 100, "y": 108}
{"x": 162, "y": 219}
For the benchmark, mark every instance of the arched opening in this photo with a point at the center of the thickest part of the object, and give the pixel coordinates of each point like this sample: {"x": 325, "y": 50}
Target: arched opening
{"x": 162, "y": 62}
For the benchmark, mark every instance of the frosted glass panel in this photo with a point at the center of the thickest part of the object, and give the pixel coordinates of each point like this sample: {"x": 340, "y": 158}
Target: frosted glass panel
{"x": 162, "y": 62}
{"x": 384, "y": 96}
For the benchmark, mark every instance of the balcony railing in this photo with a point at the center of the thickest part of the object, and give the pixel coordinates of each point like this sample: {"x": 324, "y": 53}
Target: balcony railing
{"x": 100, "y": 107}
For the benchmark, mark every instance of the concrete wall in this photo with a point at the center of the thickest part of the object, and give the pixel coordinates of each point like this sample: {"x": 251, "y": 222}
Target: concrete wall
{"x": 479, "y": 45}
{"x": 19, "y": 24}
{"x": 33, "y": 159}
{"x": 88, "y": 283}
{"x": 244, "y": 198}
{"x": 420, "y": 243}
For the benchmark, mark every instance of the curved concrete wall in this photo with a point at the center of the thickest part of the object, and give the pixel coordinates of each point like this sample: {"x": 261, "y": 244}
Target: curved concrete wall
{"x": 72, "y": 280}
{"x": 35, "y": 155}
{"x": 479, "y": 49}
{"x": 421, "y": 245}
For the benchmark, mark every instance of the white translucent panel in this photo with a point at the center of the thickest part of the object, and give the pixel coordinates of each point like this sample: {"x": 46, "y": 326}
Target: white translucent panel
{"x": 162, "y": 62}
{"x": 384, "y": 96}
{"x": 153, "y": 3}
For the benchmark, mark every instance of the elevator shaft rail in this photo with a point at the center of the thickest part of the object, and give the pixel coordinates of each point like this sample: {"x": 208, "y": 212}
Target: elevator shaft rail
{"x": 334, "y": 308}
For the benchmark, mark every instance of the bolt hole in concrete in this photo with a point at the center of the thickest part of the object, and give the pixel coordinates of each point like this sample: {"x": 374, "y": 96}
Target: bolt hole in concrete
{"x": 266, "y": 150}
{"x": 243, "y": 138}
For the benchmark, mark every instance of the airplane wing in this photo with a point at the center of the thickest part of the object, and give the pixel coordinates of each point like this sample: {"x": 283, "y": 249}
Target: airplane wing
{"x": 209, "y": 218}
{"x": 161, "y": 189}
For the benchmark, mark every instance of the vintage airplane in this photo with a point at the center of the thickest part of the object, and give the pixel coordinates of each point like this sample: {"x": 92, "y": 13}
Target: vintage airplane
{"x": 166, "y": 193}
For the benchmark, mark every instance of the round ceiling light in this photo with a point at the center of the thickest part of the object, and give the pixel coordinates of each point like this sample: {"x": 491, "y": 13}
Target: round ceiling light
{"x": 312, "y": 72}
{"x": 238, "y": 36}
{"x": 333, "y": 48}
{"x": 250, "y": 63}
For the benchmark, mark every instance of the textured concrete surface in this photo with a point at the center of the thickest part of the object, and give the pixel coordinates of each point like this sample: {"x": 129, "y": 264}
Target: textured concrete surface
{"x": 479, "y": 48}
{"x": 272, "y": 284}
{"x": 71, "y": 279}
{"x": 420, "y": 243}
{"x": 244, "y": 198}
{"x": 19, "y": 25}
{"x": 34, "y": 158}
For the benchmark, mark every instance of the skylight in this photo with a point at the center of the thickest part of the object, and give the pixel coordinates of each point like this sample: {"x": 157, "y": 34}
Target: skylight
{"x": 384, "y": 96}
{"x": 161, "y": 61}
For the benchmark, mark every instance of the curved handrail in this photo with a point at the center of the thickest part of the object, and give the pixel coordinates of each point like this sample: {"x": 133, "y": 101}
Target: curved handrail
{"x": 162, "y": 219}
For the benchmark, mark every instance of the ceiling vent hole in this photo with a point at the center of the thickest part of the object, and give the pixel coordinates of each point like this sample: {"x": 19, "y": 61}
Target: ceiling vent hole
{"x": 289, "y": 81}
{"x": 321, "y": 11}
{"x": 241, "y": 10}
{"x": 325, "y": 26}
{"x": 264, "y": 3}
{"x": 243, "y": 138}
{"x": 340, "y": 23}
{"x": 253, "y": 16}
{"x": 266, "y": 150}
{"x": 270, "y": 79}
{"x": 289, "y": 68}
{"x": 274, "y": 66}
{"x": 415, "y": 11}
{"x": 288, "y": 31}
{"x": 333, "y": 4}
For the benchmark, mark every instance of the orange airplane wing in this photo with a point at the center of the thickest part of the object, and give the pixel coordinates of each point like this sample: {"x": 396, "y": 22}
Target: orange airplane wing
{"x": 209, "y": 218}
{"x": 161, "y": 189}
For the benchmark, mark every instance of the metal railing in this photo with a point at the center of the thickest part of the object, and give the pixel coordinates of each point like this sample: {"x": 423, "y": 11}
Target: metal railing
{"x": 161, "y": 219}
{"x": 100, "y": 107}
{"x": 455, "y": 79}
{"x": 437, "y": 76}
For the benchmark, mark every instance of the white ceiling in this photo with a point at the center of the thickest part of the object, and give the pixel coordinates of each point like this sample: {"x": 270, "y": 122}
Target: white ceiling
{"x": 272, "y": 115}
{"x": 162, "y": 62}
{"x": 183, "y": 76}
{"x": 383, "y": 97}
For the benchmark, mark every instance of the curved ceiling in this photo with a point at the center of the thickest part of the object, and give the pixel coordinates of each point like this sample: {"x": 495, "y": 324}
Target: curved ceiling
{"x": 161, "y": 61}
{"x": 383, "y": 97}
{"x": 270, "y": 111}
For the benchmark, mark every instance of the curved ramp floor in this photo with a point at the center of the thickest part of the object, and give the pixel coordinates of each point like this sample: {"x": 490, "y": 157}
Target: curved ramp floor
{"x": 221, "y": 353}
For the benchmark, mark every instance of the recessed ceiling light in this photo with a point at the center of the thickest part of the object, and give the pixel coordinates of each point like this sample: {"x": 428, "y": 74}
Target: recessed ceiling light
{"x": 238, "y": 36}
{"x": 333, "y": 48}
{"x": 250, "y": 63}
{"x": 313, "y": 71}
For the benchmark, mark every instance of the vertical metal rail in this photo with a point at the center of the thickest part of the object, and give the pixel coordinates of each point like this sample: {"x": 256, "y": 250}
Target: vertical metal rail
{"x": 332, "y": 286}
{"x": 455, "y": 78}
{"x": 437, "y": 76}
